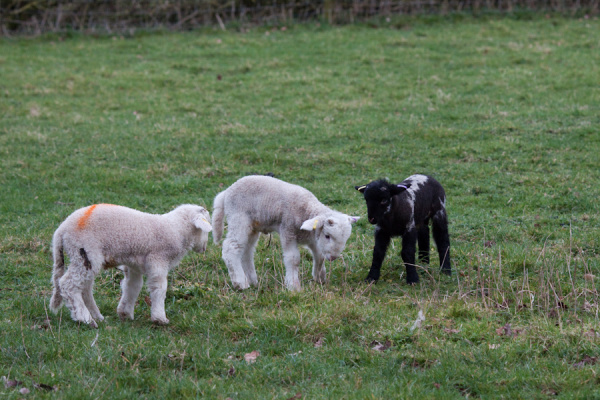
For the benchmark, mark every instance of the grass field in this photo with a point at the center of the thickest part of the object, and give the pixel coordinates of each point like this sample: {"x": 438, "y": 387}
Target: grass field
{"x": 504, "y": 112}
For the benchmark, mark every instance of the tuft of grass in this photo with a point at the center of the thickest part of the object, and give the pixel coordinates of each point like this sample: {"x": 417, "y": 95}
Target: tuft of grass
{"x": 502, "y": 111}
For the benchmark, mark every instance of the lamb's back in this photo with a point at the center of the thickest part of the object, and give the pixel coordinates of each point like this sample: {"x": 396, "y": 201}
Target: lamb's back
{"x": 270, "y": 201}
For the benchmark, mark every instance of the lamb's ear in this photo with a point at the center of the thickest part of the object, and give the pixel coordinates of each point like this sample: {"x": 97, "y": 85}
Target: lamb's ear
{"x": 312, "y": 224}
{"x": 201, "y": 222}
{"x": 353, "y": 219}
{"x": 397, "y": 189}
{"x": 361, "y": 188}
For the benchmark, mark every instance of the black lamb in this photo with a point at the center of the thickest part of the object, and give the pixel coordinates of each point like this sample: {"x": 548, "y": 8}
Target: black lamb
{"x": 405, "y": 210}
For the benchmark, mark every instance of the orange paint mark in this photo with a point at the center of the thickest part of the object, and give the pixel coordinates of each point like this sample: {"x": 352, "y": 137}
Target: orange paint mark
{"x": 83, "y": 220}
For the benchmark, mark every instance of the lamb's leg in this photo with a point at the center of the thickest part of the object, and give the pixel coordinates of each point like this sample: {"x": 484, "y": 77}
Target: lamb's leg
{"x": 319, "y": 272}
{"x": 382, "y": 241}
{"x": 157, "y": 285}
{"x": 442, "y": 240}
{"x": 291, "y": 260}
{"x": 234, "y": 247}
{"x": 131, "y": 285}
{"x": 409, "y": 247}
{"x": 248, "y": 259}
{"x": 424, "y": 242}
{"x": 72, "y": 285}
{"x": 88, "y": 299}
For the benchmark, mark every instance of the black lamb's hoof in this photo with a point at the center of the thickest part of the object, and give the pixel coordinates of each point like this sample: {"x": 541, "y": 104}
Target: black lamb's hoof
{"x": 447, "y": 271}
{"x": 370, "y": 280}
{"x": 413, "y": 281}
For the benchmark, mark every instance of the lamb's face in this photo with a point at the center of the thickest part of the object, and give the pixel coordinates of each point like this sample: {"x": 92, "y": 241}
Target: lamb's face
{"x": 332, "y": 237}
{"x": 378, "y": 196}
{"x": 379, "y": 203}
{"x": 200, "y": 241}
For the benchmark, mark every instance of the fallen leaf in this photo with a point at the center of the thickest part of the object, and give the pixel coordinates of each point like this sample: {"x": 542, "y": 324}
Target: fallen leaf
{"x": 296, "y": 396}
{"x": 252, "y": 356}
{"x": 562, "y": 305}
{"x": 44, "y": 386}
{"x": 590, "y": 333}
{"x": 589, "y": 277}
{"x": 550, "y": 392}
{"x": 493, "y": 346}
{"x": 464, "y": 390}
{"x": 506, "y": 330}
{"x": 319, "y": 343}
{"x": 437, "y": 385}
{"x": 381, "y": 346}
{"x": 448, "y": 330}
{"x": 517, "y": 331}
{"x": 10, "y": 383}
{"x": 489, "y": 243}
{"x": 231, "y": 371}
{"x": 24, "y": 391}
{"x": 587, "y": 360}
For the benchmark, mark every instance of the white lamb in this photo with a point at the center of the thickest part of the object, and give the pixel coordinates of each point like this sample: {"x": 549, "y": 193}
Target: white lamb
{"x": 262, "y": 204}
{"x": 105, "y": 236}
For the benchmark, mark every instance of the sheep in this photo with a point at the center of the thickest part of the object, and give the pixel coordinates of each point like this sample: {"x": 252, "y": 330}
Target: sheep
{"x": 103, "y": 236}
{"x": 405, "y": 210}
{"x": 263, "y": 204}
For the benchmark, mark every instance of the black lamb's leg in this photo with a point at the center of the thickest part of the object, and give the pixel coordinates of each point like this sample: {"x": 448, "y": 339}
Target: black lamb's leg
{"x": 424, "y": 242}
{"x": 409, "y": 247}
{"x": 382, "y": 241}
{"x": 442, "y": 240}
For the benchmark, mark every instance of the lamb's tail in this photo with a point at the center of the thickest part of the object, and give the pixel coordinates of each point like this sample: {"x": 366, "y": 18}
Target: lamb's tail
{"x": 58, "y": 271}
{"x": 218, "y": 218}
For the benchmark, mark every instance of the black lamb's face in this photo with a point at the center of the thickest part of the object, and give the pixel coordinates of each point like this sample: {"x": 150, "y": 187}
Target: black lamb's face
{"x": 378, "y": 195}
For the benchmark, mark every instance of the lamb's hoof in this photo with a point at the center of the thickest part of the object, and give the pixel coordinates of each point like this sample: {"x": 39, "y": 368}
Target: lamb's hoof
{"x": 125, "y": 316}
{"x": 240, "y": 286}
{"x": 93, "y": 324}
{"x": 370, "y": 281}
{"x": 160, "y": 321}
{"x": 447, "y": 271}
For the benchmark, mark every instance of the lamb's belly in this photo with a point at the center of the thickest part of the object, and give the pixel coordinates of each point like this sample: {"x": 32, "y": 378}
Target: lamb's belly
{"x": 133, "y": 261}
{"x": 264, "y": 228}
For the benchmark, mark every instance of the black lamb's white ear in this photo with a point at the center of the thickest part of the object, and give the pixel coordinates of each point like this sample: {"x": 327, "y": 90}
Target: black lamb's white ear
{"x": 361, "y": 188}
{"x": 397, "y": 189}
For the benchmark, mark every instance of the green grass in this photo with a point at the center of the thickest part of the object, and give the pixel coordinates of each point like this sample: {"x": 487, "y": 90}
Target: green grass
{"x": 503, "y": 112}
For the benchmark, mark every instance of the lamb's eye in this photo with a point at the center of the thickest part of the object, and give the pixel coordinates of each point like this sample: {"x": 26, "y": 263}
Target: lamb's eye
{"x": 384, "y": 201}
{"x": 327, "y": 237}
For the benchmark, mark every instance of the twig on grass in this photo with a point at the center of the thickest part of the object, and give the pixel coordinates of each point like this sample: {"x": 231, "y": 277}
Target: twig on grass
{"x": 23, "y": 335}
{"x": 48, "y": 319}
